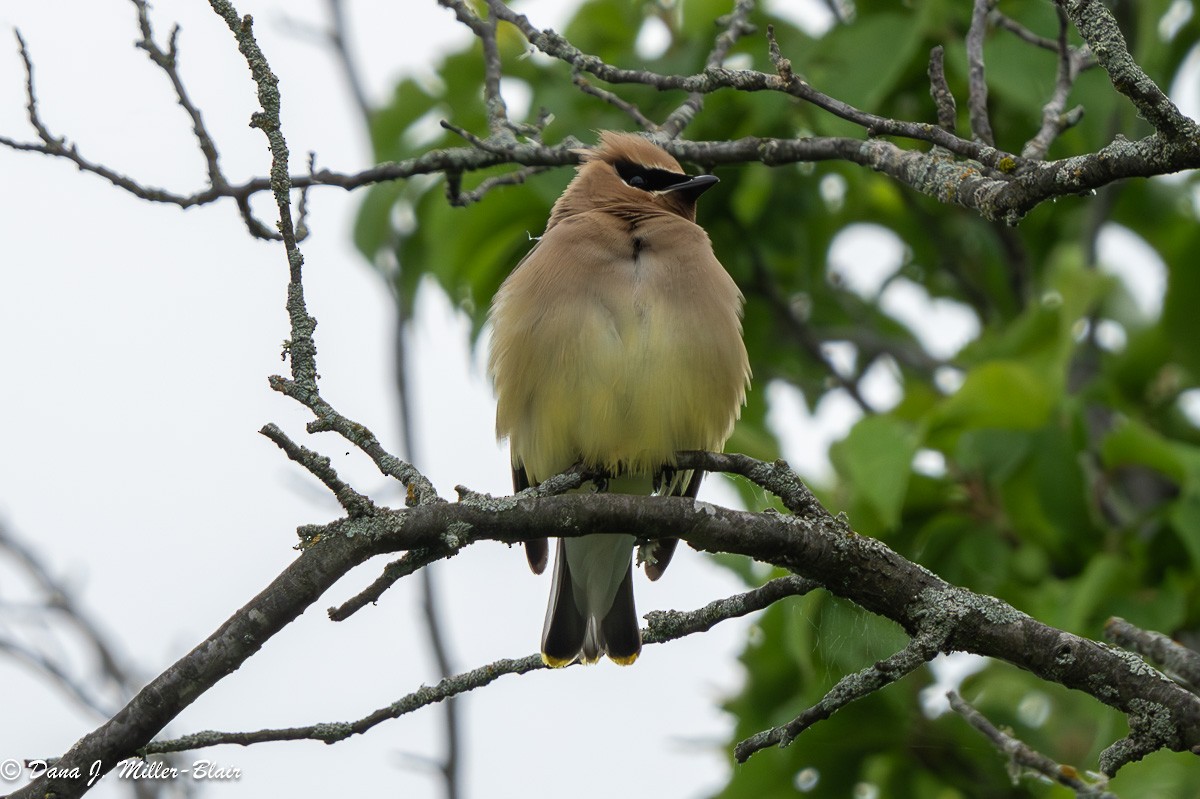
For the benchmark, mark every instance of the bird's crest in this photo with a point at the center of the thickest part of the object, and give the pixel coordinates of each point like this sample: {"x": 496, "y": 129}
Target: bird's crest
{"x": 616, "y": 147}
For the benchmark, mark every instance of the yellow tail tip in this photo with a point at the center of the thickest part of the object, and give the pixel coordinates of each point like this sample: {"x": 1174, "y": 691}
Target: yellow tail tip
{"x": 556, "y": 663}
{"x": 624, "y": 661}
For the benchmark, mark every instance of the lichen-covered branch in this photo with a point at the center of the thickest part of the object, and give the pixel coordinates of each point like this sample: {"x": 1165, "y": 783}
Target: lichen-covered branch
{"x": 920, "y": 651}
{"x": 815, "y": 545}
{"x": 1179, "y": 662}
{"x": 1024, "y": 757}
{"x": 996, "y": 184}
{"x": 664, "y": 626}
{"x": 1099, "y": 29}
{"x": 321, "y": 467}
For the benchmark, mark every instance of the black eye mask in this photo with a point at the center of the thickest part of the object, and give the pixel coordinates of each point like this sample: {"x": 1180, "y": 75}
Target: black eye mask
{"x": 648, "y": 178}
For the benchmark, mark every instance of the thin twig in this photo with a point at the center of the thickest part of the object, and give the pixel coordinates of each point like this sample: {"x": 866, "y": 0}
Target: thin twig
{"x": 167, "y": 61}
{"x": 1022, "y": 755}
{"x": 421, "y": 491}
{"x": 919, "y": 651}
{"x": 321, "y": 467}
{"x": 977, "y": 90}
{"x": 485, "y": 31}
{"x": 629, "y": 109}
{"x": 720, "y": 78}
{"x": 43, "y": 664}
{"x": 1055, "y": 119}
{"x": 461, "y": 199}
{"x": 664, "y": 626}
{"x": 999, "y": 19}
{"x": 776, "y": 477}
{"x": 939, "y": 90}
{"x": 736, "y": 25}
{"x": 409, "y": 563}
{"x": 338, "y": 37}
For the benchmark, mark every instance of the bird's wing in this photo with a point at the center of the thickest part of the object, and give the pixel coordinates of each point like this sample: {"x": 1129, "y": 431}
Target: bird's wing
{"x": 537, "y": 550}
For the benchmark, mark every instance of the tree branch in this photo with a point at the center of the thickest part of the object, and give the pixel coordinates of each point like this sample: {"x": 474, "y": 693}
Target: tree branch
{"x": 736, "y": 25}
{"x": 1179, "y": 662}
{"x": 1099, "y": 29}
{"x": 664, "y": 626}
{"x": 996, "y": 184}
{"x": 321, "y": 467}
{"x": 977, "y": 90}
{"x": 817, "y": 546}
{"x": 1023, "y": 756}
{"x": 919, "y": 651}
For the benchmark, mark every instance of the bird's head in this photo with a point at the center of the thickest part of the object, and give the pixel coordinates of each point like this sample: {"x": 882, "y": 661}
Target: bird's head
{"x": 628, "y": 171}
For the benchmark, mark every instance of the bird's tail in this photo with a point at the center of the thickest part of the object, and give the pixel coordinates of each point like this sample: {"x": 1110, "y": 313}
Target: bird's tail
{"x": 591, "y": 610}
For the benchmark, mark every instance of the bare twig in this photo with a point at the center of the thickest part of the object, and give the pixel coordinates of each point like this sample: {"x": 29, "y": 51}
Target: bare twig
{"x": 1000, "y": 20}
{"x": 167, "y": 61}
{"x": 58, "y": 672}
{"x": 320, "y": 467}
{"x": 977, "y": 90}
{"x": 338, "y": 38}
{"x": 1023, "y": 756}
{"x": 1055, "y": 119}
{"x": 460, "y": 198}
{"x": 57, "y": 597}
{"x": 768, "y": 288}
{"x": 410, "y": 563}
{"x": 939, "y": 90}
{"x": 919, "y": 651}
{"x": 485, "y": 31}
{"x": 776, "y": 477}
{"x": 57, "y": 146}
{"x": 630, "y": 109}
{"x": 664, "y": 626}
{"x": 736, "y": 25}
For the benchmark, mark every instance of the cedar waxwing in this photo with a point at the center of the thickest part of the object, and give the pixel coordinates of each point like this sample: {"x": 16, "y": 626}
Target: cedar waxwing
{"x": 616, "y": 342}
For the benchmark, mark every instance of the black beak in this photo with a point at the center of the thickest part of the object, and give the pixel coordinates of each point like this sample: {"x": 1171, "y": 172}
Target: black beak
{"x": 694, "y": 187}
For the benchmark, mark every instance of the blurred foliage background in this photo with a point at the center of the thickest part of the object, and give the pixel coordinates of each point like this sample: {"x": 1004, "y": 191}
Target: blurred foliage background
{"x": 1053, "y": 461}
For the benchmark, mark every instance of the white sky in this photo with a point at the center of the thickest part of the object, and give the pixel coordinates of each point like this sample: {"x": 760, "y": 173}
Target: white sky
{"x": 136, "y": 344}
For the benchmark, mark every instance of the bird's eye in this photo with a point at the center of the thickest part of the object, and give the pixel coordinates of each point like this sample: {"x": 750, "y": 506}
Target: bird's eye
{"x": 638, "y": 182}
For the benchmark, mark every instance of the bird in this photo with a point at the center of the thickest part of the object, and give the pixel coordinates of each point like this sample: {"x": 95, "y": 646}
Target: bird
{"x": 615, "y": 343}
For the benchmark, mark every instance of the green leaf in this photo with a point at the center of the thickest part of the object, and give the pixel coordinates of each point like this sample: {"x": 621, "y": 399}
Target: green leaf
{"x": 876, "y": 459}
{"x": 1133, "y": 442}
{"x": 1006, "y": 394}
{"x": 1186, "y": 519}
